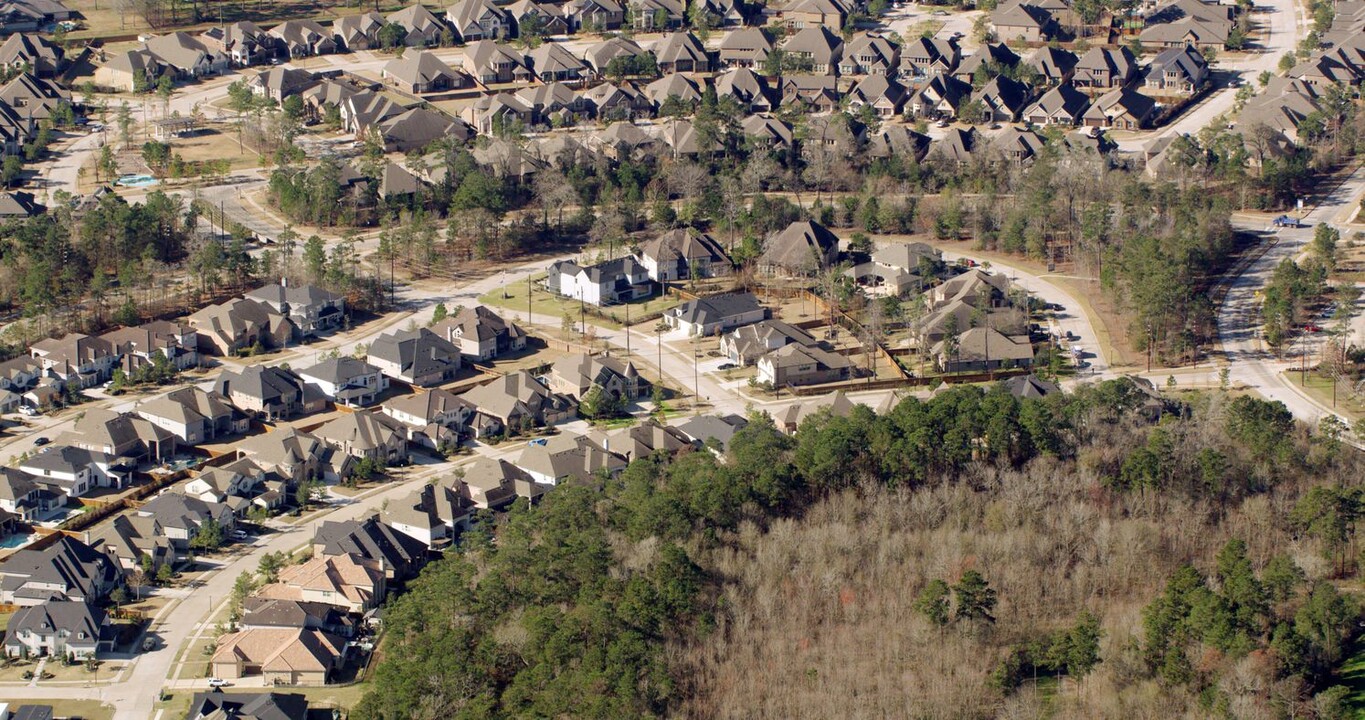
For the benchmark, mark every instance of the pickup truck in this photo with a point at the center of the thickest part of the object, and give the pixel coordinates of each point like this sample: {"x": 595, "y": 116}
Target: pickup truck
{"x": 1287, "y": 221}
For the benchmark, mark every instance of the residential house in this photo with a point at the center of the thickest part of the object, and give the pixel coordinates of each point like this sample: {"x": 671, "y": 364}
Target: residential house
{"x": 310, "y": 308}
{"x": 1030, "y": 387}
{"x": 1022, "y": 22}
{"x": 262, "y": 612}
{"x": 281, "y": 656}
{"x": 816, "y": 47}
{"x": 34, "y": 98}
{"x": 417, "y": 128}
{"x": 1103, "y": 68}
{"x": 346, "y": 380}
{"x": 30, "y": 52}
{"x": 359, "y": 32}
{"x": 676, "y": 254}
{"x": 870, "y": 54}
{"x": 493, "y": 484}
{"x": 874, "y": 279}
{"x": 137, "y": 347}
{"x": 295, "y": 456}
{"x": 58, "y": 628}
{"x": 130, "y": 540}
{"x": 83, "y": 360}
{"x": 423, "y": 72}
{"x": 240, "y": 324}
{"x": 551, "y": 62}
{"x": 576, "y": 374}
{"x": 131, "y": 71}
{"x": 367, "y": 435}
{"x": 745, "y": 87}
{"x": 1062, "y": 105}
{"x": 981, "y": 349}
{"x": 796, "y": 364}
{"x": 594, "y": 15}
{"x": 767, "y": 131}
{"x": 647, "y": 439}
{"x": 380, "y": 544}
{"x": 1122, "y": 109}
{"x": 417, "y": 357}
{"x": 910, "y": 257}
{"x": 181, "y": 517}
{"x": 537, "y": 19}
{"x": 883, "y": 94}
{"x": 617, "y": 102}
{"x": 20, "y": 373}
{"x": 715, "y": 314}
{"x": 941, "y": 97}
{"x": 655, "y": 15}
{"x": 608, "y": 283}
{"x": 490, "y": 114}
{"x": 304, "y": 38}
{"x": 16, "y": 205}
{"x": 240, "y": 485}
{"x": 493, "y": 63}
{"x": 1016, "y": 145}
{"x": 670, "y": 90}
{"x": 187, "y": 55}
{"x": 481, "y": 333}
{"x": 976, "y": 287}
{"x": 922, "y": 58}
{"x": 548, "y": 102}
{"x": 431, "y": 514}
{"x": 475, "y": 20}
{"x": 804, "y": 14}
{"x": 1189, "y": 23}
{"x": 990, "y": 58}
{"x": 897, "y": 141}
{"x": 569, "y": 458}
{"x": 353, "y": 583}
{"x": 745, "y": 345}
{"x": 803, "y": 248}
{"x": 681, "y": 52}
{"x": 120, "y": 435}
{"x": 277, "y": 83}
{"x": 1053, "y": 65}
{"x": 713, "y": 430}
{"x": 1003, "y": 99}
{"x": 67, "y": 569}
{"x": 433, "y": 418}
{"x": 422, "y": 26}
{"x": 217, "y": 705}
{"x": 71, "y": 472}
{"x": 20, "y": 494}
{"x": 518, "y": 401}
{"x": 273, "y": 393}
{"x": 724, "y": 13}
{"x": 193, "y": 415}
{"x": 1177, "y": 71}
{"x": 244, "y": 43}
{"x": 745, "y": 48}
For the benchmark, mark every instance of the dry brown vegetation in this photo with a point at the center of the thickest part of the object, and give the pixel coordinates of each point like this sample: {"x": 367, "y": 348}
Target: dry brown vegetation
{"x": 820, "y": 619}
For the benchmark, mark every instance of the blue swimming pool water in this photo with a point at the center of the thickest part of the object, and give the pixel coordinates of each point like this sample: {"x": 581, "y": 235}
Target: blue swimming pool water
{"x": 136, "y": 180}
{"x": 14, "y": 541}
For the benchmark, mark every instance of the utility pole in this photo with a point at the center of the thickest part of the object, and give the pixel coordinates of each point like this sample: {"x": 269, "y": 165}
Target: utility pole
{"x": 627, "y": 329}
{"x": 528, "y": 299}
{"x": 696, "y": 385}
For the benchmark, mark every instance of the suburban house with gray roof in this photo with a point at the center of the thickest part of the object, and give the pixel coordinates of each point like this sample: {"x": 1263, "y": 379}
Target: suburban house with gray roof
{"x": 58, "y": 628}
{"x": 608, "y": 283}
{"x": 367, "y": 435}
{"x": 418, "y": 357}
{"x": 564, "y": 458}
{"x": 715, "y": 314}
{"x": 802, "y": 248}
{"x": 310, "y": 308}
{"x": 517, "y": 400}
{"x": 346, "y": 380}
{"x": 576, "y": 374}
{"x": 673, "y": 255}
{"x": 980, "y": 349}
{"x": 399, "y": 555}
{"x": 181, "y": 516}
{"x": 194, "y": 415}
{"x": 66, "y": 569}
{"x": 796, "y": 364}
{"x": 481, "y": 333}
{"x": 423, "y": 72}
{"x": 273, "y": 393}
{"x": 1176, "y": 71}
{"x": 494, "y": 483}
{"x": 432, "y": 514}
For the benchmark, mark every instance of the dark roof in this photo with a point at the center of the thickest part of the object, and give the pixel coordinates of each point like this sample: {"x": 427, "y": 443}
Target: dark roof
{"x": 717, "y": 307}
{"x": 372, "y": 539}
{"x": 68, "y": 562}
{"x": 1030, "y": 386}
{"x": 248, "y": 706}
{"x": 722, "y": 428}
{"x": 258, "y": 381}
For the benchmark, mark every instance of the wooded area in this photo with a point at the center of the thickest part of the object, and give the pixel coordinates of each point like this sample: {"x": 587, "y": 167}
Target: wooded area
{"x": 933, "y": 560}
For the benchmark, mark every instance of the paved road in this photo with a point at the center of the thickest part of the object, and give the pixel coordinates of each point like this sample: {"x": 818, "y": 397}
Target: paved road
{"x": 1284, "y": 23}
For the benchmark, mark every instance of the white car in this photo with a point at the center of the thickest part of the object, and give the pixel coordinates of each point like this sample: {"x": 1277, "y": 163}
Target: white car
{"x": 217, "y": 682}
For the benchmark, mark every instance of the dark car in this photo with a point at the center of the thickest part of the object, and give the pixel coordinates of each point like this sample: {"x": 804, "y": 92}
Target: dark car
{"x": 41, "y": 441}
{"x": 726, "y": 366}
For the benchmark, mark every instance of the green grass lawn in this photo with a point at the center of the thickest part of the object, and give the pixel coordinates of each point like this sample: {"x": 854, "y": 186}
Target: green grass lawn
{"x": 1320, "y": 389}
{"x": 1352, "y": 675}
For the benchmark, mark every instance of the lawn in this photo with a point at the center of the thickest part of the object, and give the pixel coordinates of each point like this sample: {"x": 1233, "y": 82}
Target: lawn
{"x": 1320, "y": 388}
{"x": 1352, "y": 675}
{"x": 88, "y": 709}
{"x": 513, "y": 297}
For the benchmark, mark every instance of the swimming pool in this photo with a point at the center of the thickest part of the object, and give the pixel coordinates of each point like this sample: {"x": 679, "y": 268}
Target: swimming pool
{"x": 9, "y": 542}
{"x": 136, "y": 180}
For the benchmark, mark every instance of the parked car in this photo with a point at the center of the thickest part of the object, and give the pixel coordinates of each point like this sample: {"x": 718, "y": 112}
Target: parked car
{"x": 727, "y": 366}
{"x": 41, "y": 440}
{"x": 217, "y": 682}
{"x": 28, "y": 410}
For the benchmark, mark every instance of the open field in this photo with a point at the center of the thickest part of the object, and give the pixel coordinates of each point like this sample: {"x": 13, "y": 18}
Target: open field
{"x": 513, "y": 297}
